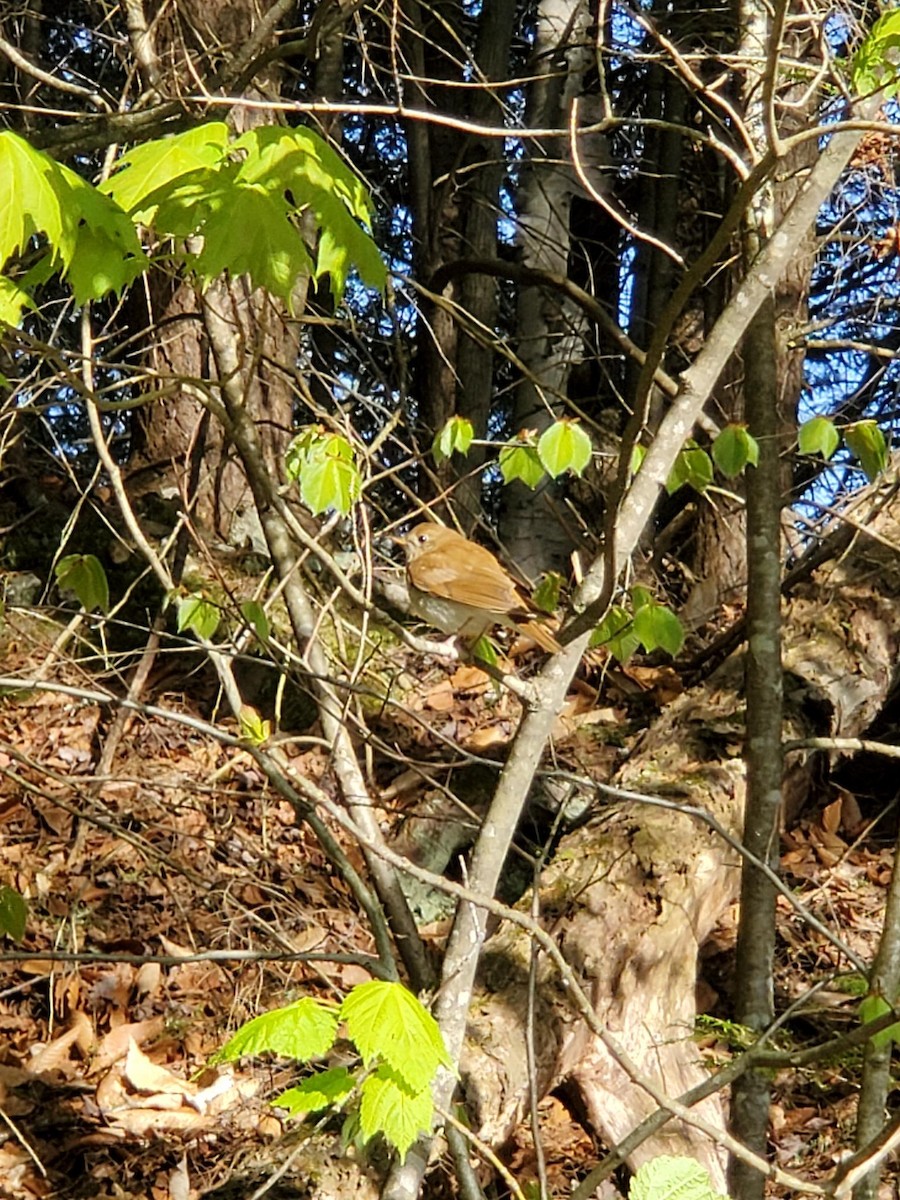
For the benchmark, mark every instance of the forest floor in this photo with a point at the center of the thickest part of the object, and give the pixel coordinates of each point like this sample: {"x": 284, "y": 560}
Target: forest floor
{"x": 183, "y": 850}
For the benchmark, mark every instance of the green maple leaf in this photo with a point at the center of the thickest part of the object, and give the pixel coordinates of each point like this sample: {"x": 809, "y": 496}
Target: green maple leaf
{"x": 145, "y": 169}
{"x": 253, "y": 236}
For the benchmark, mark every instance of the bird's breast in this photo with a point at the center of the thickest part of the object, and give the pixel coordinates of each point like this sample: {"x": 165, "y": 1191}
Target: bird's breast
{"x": 449, "y": 615}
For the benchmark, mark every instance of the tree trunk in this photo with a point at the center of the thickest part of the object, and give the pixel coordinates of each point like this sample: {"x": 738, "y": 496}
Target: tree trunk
{"x": 170, "y": 432}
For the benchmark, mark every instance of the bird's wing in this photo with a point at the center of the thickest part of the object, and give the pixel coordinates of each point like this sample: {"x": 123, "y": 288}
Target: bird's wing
{"x": 483, "y": 585}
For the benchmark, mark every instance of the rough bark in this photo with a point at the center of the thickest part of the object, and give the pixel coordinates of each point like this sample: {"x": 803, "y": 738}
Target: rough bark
{"x": 194, "y": 38}
{"x": 549, "y": 330}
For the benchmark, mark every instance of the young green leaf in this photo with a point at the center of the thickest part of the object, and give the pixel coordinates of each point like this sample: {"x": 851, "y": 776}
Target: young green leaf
{"x": 669, "y": 1178}
{"x": 253, "y": 728}
{"x": 870, "y": 1009}
{"x": 733, "y": 449}
{"x": 83, "y": 574}
{"x": 146, "y": 168}
{"x": 13, "y": 301}
{"x": 818, "y": 436}
{"x": 658, "y": 627}
{"x": 330, "y": 483}
{"x": 692, "y": 466}
{"x": 13, "y": 913}
{"x": 616, "y": 634}
{"x": 520, "y": 460}
{"x": 199, "y": 615}
{"x": 564, "y": 447}
{"x": 389, "y": 1107}
{"x": 455, "y": 438}
{"x": 255, "y": 616}
{"x": 388, "y": 1023}
{"x": 866, "y": 441}
{"x": 638, "y": 454}
{"x": 485, "y": 652}
{"x": 325, "y": 465}
{"x": 874, "y": 65}
{"x": 546, "y": 595}
{"x": 317, "y": 1092}
{"x": 302, "y": 1030}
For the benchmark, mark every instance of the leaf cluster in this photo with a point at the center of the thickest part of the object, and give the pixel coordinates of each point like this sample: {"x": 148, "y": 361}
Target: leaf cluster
{"x": 399, "y": 1043}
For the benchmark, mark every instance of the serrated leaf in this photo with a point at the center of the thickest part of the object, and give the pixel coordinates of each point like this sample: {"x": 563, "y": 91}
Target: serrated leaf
{"x": 455, "y": 438}
{"x": 870, "y": 1009}
{"x": 669, "y": 1178}
{"x": 733, "y": 449}
{"x": 866, "y": 442}
{"x": 255, "y": 615}
{"x": 387, "y": 1022}
{"x": 659, "y": 628}
{"x": 13, "y": 913}
{"x": 13, "y": 301}
{"x": 616, "y": 634}
{"x": 199, "y": 615}
{"x": 30, "y": 201}
{"x": 318, "y": 1092}
{"x": 387, "y": 1106}
{"x": 818, "y": 436}
{"x": 692, "y": 466}
{"x": 252, "y": 236}
{"x": 564, "y": 447}
{"x": 83, "y": 574}
{"x": 143, "y": 169}
{"x": 521, "y": 461}
{"x": 302, "y": 1030}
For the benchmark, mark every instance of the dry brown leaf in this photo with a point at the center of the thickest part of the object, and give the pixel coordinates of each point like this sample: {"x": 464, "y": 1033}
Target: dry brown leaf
{"x": 180, "y": 1181}
{"x": 115, "y": 1044}
{"x": 487, "y": 736}
{"x": 148, "y": 978}
{"x": 468, "y": 678}
{"x": 144, "y": 1075}
{"x": 831, "y": 816}
{"x": 441, "y": 698}
{"x": 56, "y": 1055}
{"x": 144, "y": 1122}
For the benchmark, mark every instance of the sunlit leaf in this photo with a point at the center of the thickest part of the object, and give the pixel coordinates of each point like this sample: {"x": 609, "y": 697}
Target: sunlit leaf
{"x": 389, "y": 1107}
{"x": 317, "y": 1092}
{"x": 734, "y": 449}
{"x": 387, "y": 1022}
{"x": 866, "y": 442}
{"x": 253, "y": 728}
{"x": 520, "y": 460}
{"x": 302, "y": 1030}
{"x": 198, "y": 614}
{"x": 615, "y": 633}
{"x": 818, "y": 435}
{"x": 564, "y": 447}
{"x": 455, "y": 438}
{"x": 692, "y": 466}
{"x": 871, "y": 1009}
{"x": 659, "y": 628}
{"x": 669, "y": 1178}
{"x": 83, "y": 574}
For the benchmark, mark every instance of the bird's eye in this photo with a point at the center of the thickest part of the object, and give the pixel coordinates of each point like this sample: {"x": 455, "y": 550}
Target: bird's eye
{"x": 422, "y": 539}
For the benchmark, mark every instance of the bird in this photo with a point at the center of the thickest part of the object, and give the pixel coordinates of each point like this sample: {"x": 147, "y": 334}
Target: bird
{"x": 459, "y": 587}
